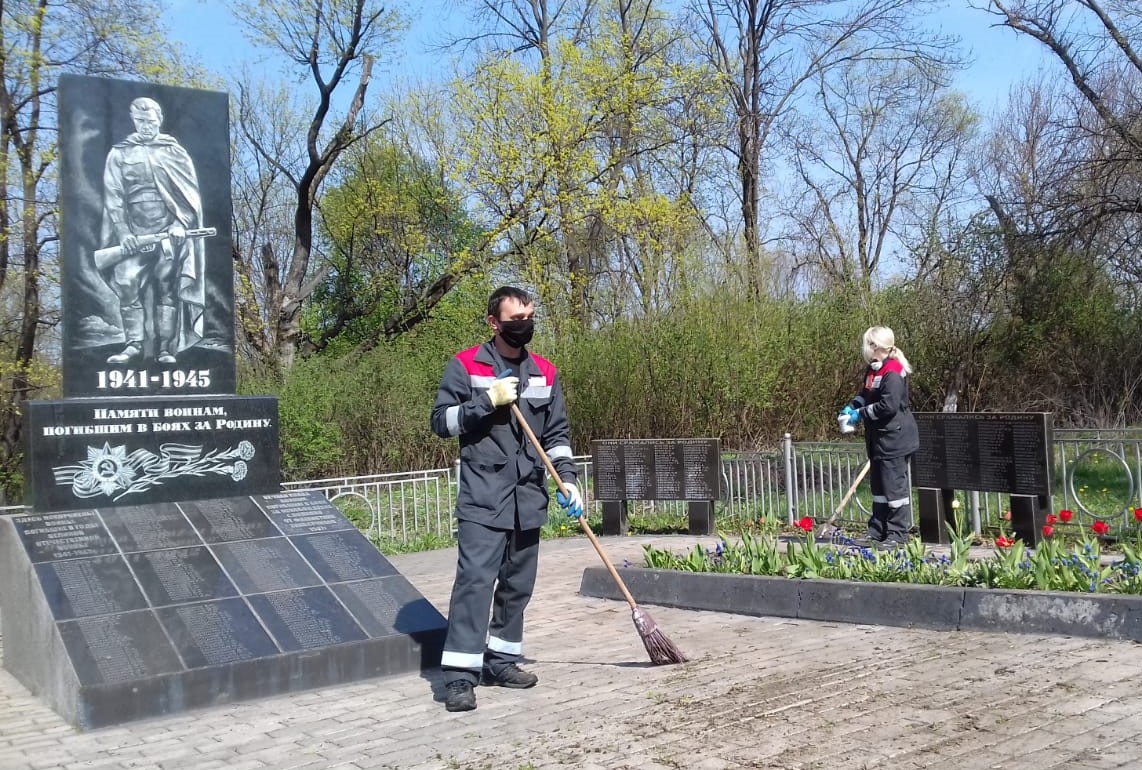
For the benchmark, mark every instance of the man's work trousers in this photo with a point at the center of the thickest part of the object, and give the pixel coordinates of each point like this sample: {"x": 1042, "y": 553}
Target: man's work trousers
{"x": 495, "y": 571}
{"x": 891, "y": 500}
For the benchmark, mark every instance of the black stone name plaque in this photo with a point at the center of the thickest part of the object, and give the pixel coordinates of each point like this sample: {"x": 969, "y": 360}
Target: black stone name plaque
{"x": 118, "y": 648}
{"x": 227, "y": 519}
{"x": 306, "y": 618}
{"x": 214, "y": 633}
{"x": 302, "y": 512}
{"x": 656, "y": 469}
{"x": 271, "y": 564}
{"x": 342, "y": 556}
{"x": 984, "y": 451}
{"x": 387, "y": 605}
{"x": 78, "y": 588}
{"x": 149, "y": 527}
{"x": 96, "y": 453}
{"x": 180, "y": 575}
{"x": 63, "y": 536}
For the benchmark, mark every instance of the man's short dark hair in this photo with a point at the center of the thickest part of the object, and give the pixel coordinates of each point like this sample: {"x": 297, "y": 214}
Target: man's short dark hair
{"x": 502, "y": 293}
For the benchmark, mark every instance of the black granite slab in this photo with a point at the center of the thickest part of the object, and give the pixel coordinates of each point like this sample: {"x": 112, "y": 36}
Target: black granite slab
{"x": 80, "y": 587}
{"x": 119, "y": 648}
{"x": 341, "y": 556}
{"x": 303, "y": 512}
{"x": 94, "y": 115}
{"x": 98, "y": 453}
{"x": 271, "y": 564}
{"x": 180, "y": 575}
{"x": 386, "y": 606}
{"x": 216, "y": 633}
{"x": 149, "y": 527}
{"x": 48, "y": 537}
{"x": 113, "y": 623}
{"x": 230, "y": 518}
{"x": 306, "y": 619}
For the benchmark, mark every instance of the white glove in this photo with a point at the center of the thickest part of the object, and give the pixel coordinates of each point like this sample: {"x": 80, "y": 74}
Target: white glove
{"x": 505, "y": 390}
{"x": 572, "y": 502}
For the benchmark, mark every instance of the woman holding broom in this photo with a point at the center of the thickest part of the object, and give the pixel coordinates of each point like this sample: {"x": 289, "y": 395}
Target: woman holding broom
{"x": 890, "y": 435}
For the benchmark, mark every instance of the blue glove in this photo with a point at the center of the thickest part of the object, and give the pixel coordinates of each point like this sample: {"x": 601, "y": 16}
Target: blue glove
{"x": 572, "y": 502}
{"x": 852, "y": 414}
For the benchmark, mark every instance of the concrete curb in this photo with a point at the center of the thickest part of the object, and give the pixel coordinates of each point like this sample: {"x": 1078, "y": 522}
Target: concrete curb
{"x": 940, "y": 608}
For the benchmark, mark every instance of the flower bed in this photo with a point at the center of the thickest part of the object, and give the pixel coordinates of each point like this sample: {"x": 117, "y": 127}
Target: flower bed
{"x": 1065, "y": 586}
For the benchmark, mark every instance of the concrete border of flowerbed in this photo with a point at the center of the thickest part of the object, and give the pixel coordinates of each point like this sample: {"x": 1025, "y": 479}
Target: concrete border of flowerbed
{"x": 943, "y": 608}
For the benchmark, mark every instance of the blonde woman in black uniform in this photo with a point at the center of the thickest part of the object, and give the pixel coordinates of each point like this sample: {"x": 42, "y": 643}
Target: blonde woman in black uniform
{"x": 890, "y": 434}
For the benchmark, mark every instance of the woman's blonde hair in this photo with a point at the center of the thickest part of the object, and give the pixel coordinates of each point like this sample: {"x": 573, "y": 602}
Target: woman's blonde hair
{"x": 883, "y": 338}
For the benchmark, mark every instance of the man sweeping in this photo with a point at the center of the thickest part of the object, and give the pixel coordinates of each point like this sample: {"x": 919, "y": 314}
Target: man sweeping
{"x": 502, "y": 499}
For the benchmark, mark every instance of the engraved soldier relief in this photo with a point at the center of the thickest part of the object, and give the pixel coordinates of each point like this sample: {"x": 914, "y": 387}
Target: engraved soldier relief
{"x": 152, "y": 231}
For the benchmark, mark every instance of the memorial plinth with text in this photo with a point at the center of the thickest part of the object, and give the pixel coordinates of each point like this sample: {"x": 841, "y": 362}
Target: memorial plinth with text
{"x": 1007, "y": 452}
{"x": 687, "y": 469}
{"x": 162, "y": 568}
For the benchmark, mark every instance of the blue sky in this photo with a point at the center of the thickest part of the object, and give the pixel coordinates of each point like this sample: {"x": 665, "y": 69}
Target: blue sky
{"x": 1002, "y": 58}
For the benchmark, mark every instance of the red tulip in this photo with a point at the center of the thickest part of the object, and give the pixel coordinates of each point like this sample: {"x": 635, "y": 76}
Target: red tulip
{"x": 1100, "y": 528}
{"x": 805, "y": 524}
{"x": 1051, "y": 518}
{"x": 1065, "y": 515}
{"x": 1138, "y": 514}
{"x": 1004, "y": 542}
{"x": 1048, "y": 530}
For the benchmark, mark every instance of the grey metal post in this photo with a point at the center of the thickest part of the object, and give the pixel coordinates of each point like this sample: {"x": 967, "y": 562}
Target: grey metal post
{"x": 790, "y": 481}
{"x": 977, "y": 527}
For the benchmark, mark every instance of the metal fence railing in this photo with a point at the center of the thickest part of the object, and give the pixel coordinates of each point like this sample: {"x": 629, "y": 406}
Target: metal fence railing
{"x": 1097, "y": 474}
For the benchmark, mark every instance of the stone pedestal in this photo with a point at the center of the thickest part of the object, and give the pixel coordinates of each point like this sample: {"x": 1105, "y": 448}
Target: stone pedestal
{"x": 122, "y": 613}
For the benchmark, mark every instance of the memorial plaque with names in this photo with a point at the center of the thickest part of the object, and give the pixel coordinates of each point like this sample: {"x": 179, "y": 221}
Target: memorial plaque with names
{"x": 118, "y": 648}
{"x": 387, "y": 606}
{"x": 307, "y": 618}
{"x": 341, "y": 556}
{"x": 1006, "y": 452}
{"x": 78, "y": 588}
{"x": 64, "y": 536}
{"x": 179, "y": 575}
{"x": 303, "y": 512}
{"x": 656, "y": 469}
{"x": 227, "y": 519}
{"x": 271, "y": 564}
{"x": 149, "y": 527}
{"x": 214, "y": 633}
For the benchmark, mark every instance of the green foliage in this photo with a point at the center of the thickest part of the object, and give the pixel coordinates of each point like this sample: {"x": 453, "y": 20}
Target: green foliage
{"x": 1050, "y": 567}
{"x": 394, "y": 227}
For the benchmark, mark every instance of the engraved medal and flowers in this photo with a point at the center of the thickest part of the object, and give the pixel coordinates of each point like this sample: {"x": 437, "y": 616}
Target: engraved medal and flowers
{"x": 114, "y": 472}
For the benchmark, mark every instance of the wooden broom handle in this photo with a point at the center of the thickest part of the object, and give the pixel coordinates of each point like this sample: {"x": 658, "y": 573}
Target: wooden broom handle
{"x": 853, "y": 487}
{"x": 583, "y": 518}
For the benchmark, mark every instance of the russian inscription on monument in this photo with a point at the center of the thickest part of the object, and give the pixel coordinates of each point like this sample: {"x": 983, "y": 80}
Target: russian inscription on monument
{"x": 99, "y": 452}
{"x": 656, "y": 469}
{"x": 984, "y": 451}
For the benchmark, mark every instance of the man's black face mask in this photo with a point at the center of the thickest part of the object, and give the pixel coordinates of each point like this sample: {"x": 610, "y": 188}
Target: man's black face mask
{"x": 517, "y": 333}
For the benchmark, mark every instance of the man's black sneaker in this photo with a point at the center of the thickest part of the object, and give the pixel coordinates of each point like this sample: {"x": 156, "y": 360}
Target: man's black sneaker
{"x": 510, "y": 675}
{"x": 461, "y": 696}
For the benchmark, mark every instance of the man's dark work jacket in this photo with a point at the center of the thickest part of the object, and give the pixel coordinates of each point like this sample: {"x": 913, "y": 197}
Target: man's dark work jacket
{"x": 500, "y": 472}
{"x": 889, "y": 427}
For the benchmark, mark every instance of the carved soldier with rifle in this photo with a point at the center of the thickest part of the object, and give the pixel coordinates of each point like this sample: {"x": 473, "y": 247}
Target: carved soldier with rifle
{"x": 153, "y": 255}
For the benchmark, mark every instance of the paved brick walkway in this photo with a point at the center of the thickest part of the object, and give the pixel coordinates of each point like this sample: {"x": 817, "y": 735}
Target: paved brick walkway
{"x": 759, "y": 693}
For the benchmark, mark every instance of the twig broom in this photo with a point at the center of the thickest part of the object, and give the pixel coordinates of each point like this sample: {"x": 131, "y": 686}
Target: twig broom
{"x": 661, "y": 650}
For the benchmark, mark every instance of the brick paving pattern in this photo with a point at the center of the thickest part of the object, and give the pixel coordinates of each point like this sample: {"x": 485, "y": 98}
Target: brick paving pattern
{"x": 759, "y": 693}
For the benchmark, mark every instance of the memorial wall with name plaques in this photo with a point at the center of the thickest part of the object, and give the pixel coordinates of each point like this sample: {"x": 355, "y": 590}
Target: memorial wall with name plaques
{"x": 656, "y": 469}
{"x": 162, "y": 568}
{"x": 116, "y": 614}
{"x": 1008, "y": 452}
